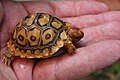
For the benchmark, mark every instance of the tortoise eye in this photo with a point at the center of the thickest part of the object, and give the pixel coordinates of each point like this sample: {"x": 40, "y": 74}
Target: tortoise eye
{"x": 32, "y": 38}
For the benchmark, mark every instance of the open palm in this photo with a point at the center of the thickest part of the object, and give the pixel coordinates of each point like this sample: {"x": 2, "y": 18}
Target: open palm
{"x": 99, "y": 48}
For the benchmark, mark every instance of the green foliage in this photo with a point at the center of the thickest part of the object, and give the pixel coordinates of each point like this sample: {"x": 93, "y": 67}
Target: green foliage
{"x": 116, "y": 67}
{"x": 96, "y": 74}
{"x": 110, "y": 73}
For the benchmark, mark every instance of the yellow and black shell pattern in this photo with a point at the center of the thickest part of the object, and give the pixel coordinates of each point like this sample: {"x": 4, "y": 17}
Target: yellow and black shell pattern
{"x": 37, "y": 35}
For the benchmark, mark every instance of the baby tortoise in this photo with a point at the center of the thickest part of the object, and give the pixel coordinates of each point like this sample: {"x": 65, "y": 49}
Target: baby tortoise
{"x": 41, "y": 35}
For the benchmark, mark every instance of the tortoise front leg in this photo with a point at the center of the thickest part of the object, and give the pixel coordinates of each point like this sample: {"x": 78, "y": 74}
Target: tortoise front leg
{"x": 7, "y": 57}
{"x": 69, "y": 46}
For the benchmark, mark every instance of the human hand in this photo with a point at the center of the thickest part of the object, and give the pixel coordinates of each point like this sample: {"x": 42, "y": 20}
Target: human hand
{"x": 99, "y": 48}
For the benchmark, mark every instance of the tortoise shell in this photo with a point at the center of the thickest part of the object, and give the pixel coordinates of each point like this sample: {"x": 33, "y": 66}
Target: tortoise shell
{"x": 38, "y": 35}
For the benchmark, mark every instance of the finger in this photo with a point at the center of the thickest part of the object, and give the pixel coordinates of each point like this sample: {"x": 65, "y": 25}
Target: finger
{"x": 6, "y": 72}
{"x": 98, "y": 33}
{"x": 93, "y": 20}
{"x": 1, "y": 12}
{"x": 66, "y": 8}
{"x": 85, "y": 61}
{"x": 23, "y": 68}
{"x": 14, "y": 12}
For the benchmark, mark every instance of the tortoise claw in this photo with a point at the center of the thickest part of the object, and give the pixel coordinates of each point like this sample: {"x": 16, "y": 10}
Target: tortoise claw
{"x": 7, "y": 57}
{"x": 6, "y": 60}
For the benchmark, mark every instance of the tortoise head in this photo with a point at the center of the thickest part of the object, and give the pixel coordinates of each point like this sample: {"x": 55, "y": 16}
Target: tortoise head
{"x": 76, "y": 34}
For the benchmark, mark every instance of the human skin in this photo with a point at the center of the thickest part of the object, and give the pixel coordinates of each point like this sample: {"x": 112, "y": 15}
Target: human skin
{"x": 99, "y": 48}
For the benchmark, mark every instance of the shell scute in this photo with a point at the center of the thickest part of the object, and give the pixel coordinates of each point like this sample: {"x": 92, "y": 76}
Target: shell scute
{"x": 54, "y": 49}
{"x": 56, "y": 23}
{"x": 46, "y": 52}
{"x": 38, "y": 54}
{"x": 17, "y": 52}
{"x": 29, "y": 20}
{"x": 29, "y": 54}
{"x": 63, "y": 35}
{"x": 33, "y": 36}
{"x": 43, "y": 19}
{"x": 49, "y": 36}
{"x": 21, "y": 37}
{"x": 22, "y": 54}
